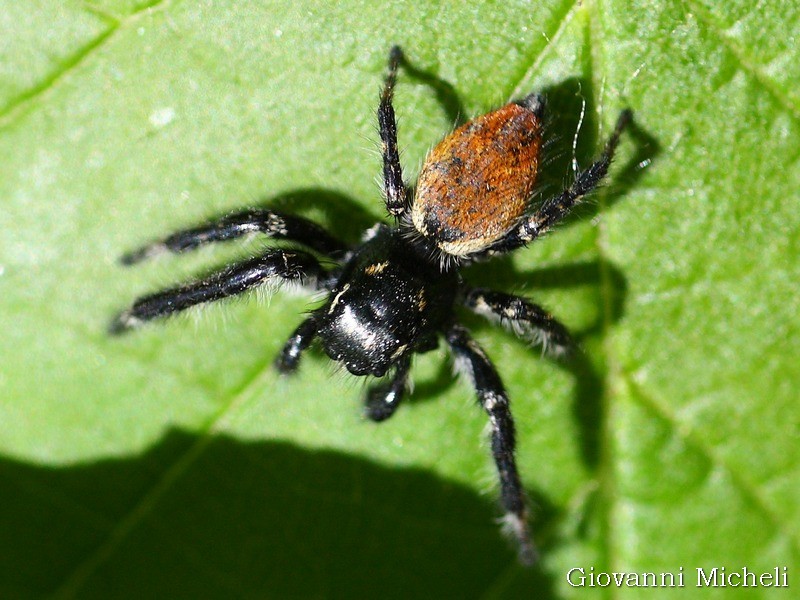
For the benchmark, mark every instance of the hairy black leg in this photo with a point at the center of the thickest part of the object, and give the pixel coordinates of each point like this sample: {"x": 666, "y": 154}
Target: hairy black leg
{"x": 384, "y": 398}
{"x": 473, "y": 362}
{"x": 555, "y": 209}
{"x": 238, "y": 278}
{"x": 289, "y": 358}
{"x": 268, "y": 222}
{"x": 524, "y": 318}
{"x": 394, "y": 188}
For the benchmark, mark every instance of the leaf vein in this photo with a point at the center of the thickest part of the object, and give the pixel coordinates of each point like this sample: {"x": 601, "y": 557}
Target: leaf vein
{"x": 73, "y": 582}
{"x": 693, "y": 439}
{"x": 27, "y": 100}
{"x": 748, "y": 65}
{"x": 535, "y": 61}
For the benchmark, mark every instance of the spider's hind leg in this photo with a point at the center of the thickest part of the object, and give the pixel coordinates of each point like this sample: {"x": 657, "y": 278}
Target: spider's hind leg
{"x": 394, "y": 188}
{"x": 556, "y": 208}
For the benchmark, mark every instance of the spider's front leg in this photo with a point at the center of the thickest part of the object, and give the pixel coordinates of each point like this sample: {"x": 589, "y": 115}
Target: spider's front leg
{"x": 238, "y": 278}
{"x": 384, "y": 398}
{"x": 289, "y": 358}
{"x": 258, "y": 220}
{"x": 476, "y": 366}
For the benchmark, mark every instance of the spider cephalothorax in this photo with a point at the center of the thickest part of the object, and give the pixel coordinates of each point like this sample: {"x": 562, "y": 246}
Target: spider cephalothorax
{"x": 396, "y": 292}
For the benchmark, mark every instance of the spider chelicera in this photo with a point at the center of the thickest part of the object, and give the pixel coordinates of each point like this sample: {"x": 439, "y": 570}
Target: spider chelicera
{"x": 395, "y": 293}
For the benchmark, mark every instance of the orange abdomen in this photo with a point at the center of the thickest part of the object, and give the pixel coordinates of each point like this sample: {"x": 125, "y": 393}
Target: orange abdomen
{"x": 476, "y": 183}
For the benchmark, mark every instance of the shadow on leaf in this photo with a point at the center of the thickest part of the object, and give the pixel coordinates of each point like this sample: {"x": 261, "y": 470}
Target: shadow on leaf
{"x": 248, "y": 519}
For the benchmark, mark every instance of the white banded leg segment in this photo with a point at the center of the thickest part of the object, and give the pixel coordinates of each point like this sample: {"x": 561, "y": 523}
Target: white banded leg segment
{"x": 526, "y": 319}
{"x": 475, "y": 365}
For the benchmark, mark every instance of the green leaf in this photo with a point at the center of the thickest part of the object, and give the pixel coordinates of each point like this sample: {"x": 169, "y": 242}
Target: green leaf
{"x": 175, "y": 462}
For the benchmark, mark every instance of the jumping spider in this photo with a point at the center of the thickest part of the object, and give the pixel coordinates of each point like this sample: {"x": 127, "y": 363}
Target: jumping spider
{"x": 395, "y": 293}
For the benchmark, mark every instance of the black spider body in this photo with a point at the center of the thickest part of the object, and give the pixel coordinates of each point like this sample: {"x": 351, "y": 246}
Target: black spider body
{"x": 395, "y": 294}
{"x": 388, "y": 303}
